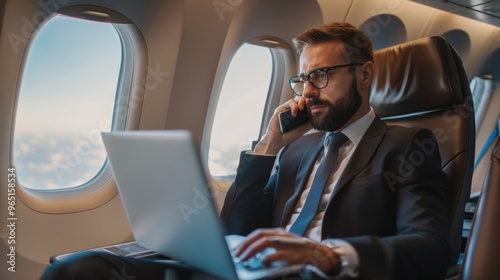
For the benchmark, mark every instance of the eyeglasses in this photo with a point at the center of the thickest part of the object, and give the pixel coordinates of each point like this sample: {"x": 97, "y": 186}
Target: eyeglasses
{"x": 318, "y": 78}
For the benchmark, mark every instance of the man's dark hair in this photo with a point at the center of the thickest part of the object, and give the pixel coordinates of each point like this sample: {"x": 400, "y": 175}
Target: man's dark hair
{"x": 358, "y": 47}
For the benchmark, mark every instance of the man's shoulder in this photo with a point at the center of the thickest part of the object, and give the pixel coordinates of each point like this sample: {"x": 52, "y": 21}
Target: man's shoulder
{"x": 407, "y": 130}
{"x": 394, "y": 132}
{"x": 404, "y": 135}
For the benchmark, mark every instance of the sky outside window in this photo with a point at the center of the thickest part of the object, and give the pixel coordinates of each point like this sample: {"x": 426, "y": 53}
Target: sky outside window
{"x": 240, "y": 108}
{"x": 66, "y": 99}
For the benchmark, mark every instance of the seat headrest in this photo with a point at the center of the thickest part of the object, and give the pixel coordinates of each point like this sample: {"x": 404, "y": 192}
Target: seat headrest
{"x": 418, "y": 76}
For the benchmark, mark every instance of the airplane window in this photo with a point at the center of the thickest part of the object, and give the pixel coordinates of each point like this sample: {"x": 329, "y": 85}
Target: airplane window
{"x": 240, "y": 108}
{"x": 66, "y": 99}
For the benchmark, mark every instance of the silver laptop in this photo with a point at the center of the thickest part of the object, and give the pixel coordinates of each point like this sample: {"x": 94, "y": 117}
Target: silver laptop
{"x": 167, "y": 198}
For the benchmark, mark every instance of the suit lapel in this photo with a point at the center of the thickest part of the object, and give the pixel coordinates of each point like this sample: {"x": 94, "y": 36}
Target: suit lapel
{"x": 305, "y": 167}
{"x": 360, "y": 158}
{"x": 363, "y": 153}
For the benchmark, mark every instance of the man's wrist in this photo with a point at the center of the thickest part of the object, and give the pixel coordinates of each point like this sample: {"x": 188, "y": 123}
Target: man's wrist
{"x": 341, "y": 268}
{"x": 347, "y": 255}
{"x": 266, "y": 148}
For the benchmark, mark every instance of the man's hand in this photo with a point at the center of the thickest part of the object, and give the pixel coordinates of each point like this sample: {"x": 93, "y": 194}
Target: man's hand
{"x": 290, "y": 248}
{"x": 274, "y": 140}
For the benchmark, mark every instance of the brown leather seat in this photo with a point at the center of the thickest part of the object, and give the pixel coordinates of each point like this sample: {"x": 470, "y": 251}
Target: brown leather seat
{"x": 480, "y": 260}
{"x": 423, "y": 83}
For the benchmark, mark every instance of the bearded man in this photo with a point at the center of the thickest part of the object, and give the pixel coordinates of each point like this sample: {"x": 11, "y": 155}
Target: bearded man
{"x": 359, "y": 220}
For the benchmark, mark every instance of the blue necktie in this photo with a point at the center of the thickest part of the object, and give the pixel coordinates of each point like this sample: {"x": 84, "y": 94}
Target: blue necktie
{"x": 325, "y": 168}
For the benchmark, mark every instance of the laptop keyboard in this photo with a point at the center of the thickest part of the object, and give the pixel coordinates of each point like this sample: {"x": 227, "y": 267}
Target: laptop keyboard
{"x": 250, "y": 265}
{"x": 132, "y": 249}
{"x": 255, "y": 262}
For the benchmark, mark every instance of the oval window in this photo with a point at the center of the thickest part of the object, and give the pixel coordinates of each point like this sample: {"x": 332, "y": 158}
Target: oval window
{"x": 240, "y": 108}
{"x": 66, "y": 99}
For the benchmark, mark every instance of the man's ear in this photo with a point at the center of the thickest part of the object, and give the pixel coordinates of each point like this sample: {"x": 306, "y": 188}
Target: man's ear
{"x": 367, "y": 74}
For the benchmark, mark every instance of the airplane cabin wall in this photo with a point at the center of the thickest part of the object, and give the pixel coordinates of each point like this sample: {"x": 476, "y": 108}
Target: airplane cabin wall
{"x": 40, "y": 235}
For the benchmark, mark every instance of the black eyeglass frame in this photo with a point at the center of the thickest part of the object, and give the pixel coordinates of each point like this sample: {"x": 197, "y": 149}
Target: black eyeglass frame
{"x": 325, "y": 69}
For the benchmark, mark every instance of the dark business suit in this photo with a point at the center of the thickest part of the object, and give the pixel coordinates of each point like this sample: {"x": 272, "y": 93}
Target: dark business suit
{"x": 390, "y": 203}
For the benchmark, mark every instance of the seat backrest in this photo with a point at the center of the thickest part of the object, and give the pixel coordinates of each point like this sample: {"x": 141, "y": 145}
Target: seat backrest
{"x": 480, "y": 260}
{"x": 423, "y": 83}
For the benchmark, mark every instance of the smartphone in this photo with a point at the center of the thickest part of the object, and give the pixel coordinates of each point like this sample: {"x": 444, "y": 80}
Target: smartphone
{"x": 289, "y": 122}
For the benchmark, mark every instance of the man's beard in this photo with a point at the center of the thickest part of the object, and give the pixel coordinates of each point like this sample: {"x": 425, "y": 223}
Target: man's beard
{"x": 339, "y": 113}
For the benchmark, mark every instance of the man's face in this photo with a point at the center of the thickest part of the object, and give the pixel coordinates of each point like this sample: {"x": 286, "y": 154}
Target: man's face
{"x": 336, "y": 114}
{"x": 331, "y": 107}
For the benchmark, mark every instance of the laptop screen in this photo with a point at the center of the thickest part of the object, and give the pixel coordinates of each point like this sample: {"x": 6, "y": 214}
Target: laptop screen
{"x": 165, "y": 193}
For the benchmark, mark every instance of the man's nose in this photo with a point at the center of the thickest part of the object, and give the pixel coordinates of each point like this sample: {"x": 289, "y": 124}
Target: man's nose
{"x": 310, "y": 91}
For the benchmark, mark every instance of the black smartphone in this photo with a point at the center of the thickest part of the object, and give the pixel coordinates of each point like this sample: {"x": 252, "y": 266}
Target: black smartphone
{"x": 289, "y": 122}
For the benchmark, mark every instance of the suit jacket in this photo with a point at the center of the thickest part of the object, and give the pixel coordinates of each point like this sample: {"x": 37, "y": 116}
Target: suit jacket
{"x": 390, "y": 203}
